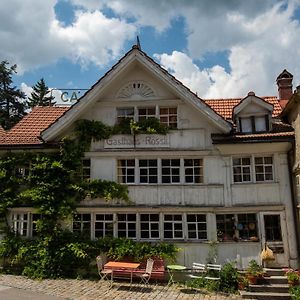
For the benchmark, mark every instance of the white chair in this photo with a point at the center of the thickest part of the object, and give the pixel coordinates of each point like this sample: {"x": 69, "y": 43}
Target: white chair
{"x": 145, "y": 277}
{"x": 198, "y": 271}
{"x": 103, "y": 273}
{"x": 215, "y": 269}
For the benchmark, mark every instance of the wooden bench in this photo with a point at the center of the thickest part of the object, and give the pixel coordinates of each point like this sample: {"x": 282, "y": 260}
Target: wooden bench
{"x": 158, "y": 272}
{"x": 204, "y": 271}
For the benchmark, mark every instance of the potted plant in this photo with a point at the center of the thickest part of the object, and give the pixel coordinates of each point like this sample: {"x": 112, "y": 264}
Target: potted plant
{"x": 254, "y": 271}
{"x": 243, "y": 282}
{"x": 292, "y": 277}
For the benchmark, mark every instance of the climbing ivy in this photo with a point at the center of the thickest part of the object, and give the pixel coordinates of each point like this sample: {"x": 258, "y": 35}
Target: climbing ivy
{"x": 53, "y": 186}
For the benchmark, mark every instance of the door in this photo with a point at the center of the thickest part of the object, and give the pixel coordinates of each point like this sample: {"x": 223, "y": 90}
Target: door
{"x": 273, "y": 233}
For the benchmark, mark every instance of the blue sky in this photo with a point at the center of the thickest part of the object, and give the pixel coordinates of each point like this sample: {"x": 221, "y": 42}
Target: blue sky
{"x": 219, "y": 49}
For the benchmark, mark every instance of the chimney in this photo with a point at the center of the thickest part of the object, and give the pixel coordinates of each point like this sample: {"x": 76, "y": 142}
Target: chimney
{"x": 285, "y": 87}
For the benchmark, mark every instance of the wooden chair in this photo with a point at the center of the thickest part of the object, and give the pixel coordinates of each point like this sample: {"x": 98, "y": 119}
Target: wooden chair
{"x": 103, "y": 273}
{"x": 145, "y": 277}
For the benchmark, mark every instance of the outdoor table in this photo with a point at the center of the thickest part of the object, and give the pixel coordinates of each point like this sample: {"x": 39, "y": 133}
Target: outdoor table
{"x": 122, "y": 265}
{"x": 171, "y": 269}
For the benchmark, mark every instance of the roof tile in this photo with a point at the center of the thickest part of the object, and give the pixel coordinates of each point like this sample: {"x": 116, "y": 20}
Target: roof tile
{"x": 224, "y": 107}
{"x": 28, "y": 130}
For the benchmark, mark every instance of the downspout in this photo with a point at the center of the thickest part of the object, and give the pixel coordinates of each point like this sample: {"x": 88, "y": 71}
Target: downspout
{"x": 294, "y": 200}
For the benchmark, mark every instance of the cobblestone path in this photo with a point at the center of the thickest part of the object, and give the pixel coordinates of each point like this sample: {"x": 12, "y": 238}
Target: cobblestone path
{"x": 92, "y": 290}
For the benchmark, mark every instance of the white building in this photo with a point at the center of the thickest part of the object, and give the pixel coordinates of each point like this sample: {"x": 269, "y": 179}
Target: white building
{"x": 221, "y": 173}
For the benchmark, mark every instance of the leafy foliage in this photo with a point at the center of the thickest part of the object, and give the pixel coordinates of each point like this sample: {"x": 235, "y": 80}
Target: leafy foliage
{"x": 295, "y": 292}
{"x": 65, "y": 254}
{"x": 229, "y": 278}
{"x": 40, "y": 95}
{"x": 12, "y": 103}
{"x": 54, "y": 189}
{"x": 228, "y": 282}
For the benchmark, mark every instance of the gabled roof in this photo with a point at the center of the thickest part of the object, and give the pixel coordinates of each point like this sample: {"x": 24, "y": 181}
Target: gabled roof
{"x": 251, "y": 98}
{"x": 135, "y": 54}
{"x": 224, "y": 107}
{"x": 28, "y": 130}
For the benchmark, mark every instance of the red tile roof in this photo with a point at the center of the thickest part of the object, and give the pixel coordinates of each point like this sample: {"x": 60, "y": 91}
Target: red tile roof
{"x": 28, "y": 130}
{"x": 224, "y": 107}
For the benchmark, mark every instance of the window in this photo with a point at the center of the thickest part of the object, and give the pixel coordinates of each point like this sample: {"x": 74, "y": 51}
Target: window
{"x": 168, "y": 116}
{"x": 126, "y": 170}
{"x": 173, "y": 227}
{"x": 35, "y": 218}
{"x": 260, "y": 124}
{"x": 146, "y": 113}
{"x": 149, "y": 226}
{"x": 246, "y": 125}
{"x": 196, "y": 226}
{"x": 170, "y": 169}
{"x": 22, "y": 171}
{"x": 242, "y": 169}
{"x": 225, "y": 227}
{"x": 20, "y": 223}
{"x": 86, "y": 169}
{"x": 264, "y": 168}
{"x": 237, "y": 227}
{"x": 246, "y": 226}
{"x": 127, "y": 225}
{"x": 125, "y": 113}
{"x": 254, "y": 124}
{"x": 272, "y": 228}
{"x": 193, "y": 170}
{"x": 82, "y": 223}
{"x": 148, "y": 170}
{"x": 104, "y": 225}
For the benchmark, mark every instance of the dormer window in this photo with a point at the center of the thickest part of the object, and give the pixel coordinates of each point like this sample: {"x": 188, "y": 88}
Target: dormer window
{"x": 254, "y": 124}
{"x": 253, "y": 114}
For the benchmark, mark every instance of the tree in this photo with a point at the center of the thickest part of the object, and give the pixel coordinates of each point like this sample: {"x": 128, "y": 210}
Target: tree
{"x": 12, "y": 100}
{"x": 40, "y": 96}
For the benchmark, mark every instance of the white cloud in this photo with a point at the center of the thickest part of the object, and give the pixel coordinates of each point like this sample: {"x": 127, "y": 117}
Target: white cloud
{"x": 254, "y": 63}
{"x": 35, "y": 39}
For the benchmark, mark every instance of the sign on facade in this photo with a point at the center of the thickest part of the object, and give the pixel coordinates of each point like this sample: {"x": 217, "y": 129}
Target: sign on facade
{"x": 141, "y": 141}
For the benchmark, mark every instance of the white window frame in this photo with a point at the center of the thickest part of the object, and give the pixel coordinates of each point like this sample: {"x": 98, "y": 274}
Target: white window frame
{"x": 236, "y": 230}
{"x": 126, "y": 114}
{"x": 169, "y": 116}
{"x": 150, "y": 224}
{"x": 242, "y": 166}
{"x": 147, "y": 167}
{"x": 82, "y": 222}
{"x": 253, "y": 169}
{"x": 172, "y": 167}
{"x": 86, "y": 169}
{"x": 194, "y": 168}
{"x": 127, "y": 223}
{"x": 146, "y": 115}
{"x": 123, "y": 171}
{"x": 137, "y": 116}
{"x": 20, "y": 223}
{"x": 264, "y": 166}
{"x": 196, "y": 223}
{"x": 173, "y": 223}
{"x": 105, "y": 222}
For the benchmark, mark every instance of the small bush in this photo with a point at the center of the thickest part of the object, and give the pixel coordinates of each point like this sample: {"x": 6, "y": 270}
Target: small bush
{"x": 295, "y": 292}
{"x": 229, "y": 278}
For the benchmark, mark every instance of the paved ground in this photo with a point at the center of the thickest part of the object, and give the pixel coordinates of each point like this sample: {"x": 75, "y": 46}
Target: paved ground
{"x": 92, "y": 290}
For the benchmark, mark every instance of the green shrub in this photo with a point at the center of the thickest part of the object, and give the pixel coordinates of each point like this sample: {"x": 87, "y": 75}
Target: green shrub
{"x": 65, "y": 254}
{"x": 229, "y": 278}
{"x": 295, "y": 292}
